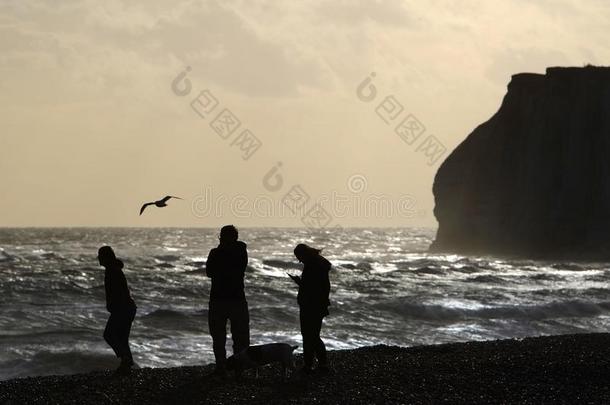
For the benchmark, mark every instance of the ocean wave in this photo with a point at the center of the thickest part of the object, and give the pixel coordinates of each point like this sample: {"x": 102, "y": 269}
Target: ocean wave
{"x": 36, "y": 335}
{"x": 282, "y": 264}
{"x": 86, "y": 287}
{"x": 56, "y": 363}
{"x": 50, "y": 255}
{"x": 173, "y": 320}
{"x": 415, "y": 264}
{"x": 273, "y": 316}
{"x": 497, "y": 297}
{"x": 545, "y": 277}
{"x": 167, "y": 258}
{"x": 165, "y": 314}
{"x": 357, "y": 266}
{"x": 429, "y": 270}
{"x": 601, "y": 277}
{"x": 90, "y": 268}
{"x": 592, "y": 293}
{"x": 568, "y": 266}
{"x": 486, "y": 278}
{"x": 5, "y": 257}
{"x": 467, "y": 269}
{"x": 197, "y": 272}
{"x": 567, "y": 309}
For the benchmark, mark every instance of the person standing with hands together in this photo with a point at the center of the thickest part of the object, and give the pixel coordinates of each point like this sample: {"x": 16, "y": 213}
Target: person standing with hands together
{"x": 226, "y": 267}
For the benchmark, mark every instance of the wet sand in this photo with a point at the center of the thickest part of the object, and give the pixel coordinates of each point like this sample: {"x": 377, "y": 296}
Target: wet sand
{"x": 556, "y": 369}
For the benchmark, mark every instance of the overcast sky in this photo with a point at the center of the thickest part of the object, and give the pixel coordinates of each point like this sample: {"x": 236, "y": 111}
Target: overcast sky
{"x": 96, "y": 119}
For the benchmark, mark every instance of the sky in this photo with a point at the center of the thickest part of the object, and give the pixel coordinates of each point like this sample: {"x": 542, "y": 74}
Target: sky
{"x": 259, "y": 113}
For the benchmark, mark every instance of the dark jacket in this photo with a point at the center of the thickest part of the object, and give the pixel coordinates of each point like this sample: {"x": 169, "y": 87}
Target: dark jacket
{"x": 226, "y": 266}
{"x": 314, "y": 286}
{"x": 118, "y": 297}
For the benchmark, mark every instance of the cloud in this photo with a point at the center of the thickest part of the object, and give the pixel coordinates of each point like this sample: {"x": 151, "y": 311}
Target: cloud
{"x": 219, "y": 44}
{"x": 356, "y": 12}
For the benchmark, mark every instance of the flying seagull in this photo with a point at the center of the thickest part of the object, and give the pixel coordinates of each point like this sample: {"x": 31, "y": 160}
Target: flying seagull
{"x": 161, "y": 203}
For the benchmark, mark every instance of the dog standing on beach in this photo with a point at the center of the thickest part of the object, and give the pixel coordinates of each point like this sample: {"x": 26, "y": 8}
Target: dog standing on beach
{"x": 260, "y": 355}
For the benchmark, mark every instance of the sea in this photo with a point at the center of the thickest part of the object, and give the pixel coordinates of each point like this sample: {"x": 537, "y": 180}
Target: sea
{"x": 386, "y": 289}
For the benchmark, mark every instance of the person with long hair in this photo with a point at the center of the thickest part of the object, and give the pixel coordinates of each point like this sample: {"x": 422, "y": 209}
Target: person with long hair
{"x": 121, "y": 306}
{"x": 313, "y": 300}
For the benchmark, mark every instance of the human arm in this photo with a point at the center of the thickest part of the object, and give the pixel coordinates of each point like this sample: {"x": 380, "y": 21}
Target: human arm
{"x": 239, "y": 257}
{"x": 119, "y": 297}
{"x": 296, "y": 279}
{"x": 211, "y": 265}
{"x": 244, "y": 258}
{"x": 108, "y": 289}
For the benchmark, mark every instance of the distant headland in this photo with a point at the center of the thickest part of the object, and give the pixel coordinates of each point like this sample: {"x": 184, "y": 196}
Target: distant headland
{"x": 534, "y": 180}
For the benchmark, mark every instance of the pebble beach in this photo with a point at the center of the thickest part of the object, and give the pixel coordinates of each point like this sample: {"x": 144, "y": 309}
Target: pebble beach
{"x": 555, "y": 369}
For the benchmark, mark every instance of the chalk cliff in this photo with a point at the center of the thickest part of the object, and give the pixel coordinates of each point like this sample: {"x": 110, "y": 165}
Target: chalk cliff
{"x": 534, "y": 180}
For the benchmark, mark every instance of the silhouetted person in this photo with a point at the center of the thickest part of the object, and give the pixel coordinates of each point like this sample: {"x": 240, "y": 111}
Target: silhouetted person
{"x": 226, "y": 266}
{"x": 314, "y": 289}
{"x": 121, "y": 306}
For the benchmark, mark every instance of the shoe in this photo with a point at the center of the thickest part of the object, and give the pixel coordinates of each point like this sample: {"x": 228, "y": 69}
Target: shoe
{"x": 124, "y": 368}
{"x": 127, "y": 363}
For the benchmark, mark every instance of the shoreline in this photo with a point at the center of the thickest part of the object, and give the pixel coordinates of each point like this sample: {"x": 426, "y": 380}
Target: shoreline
{"x": 557, "y": 369}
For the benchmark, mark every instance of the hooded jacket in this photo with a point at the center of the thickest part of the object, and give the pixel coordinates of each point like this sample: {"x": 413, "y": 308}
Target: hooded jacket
{"x": 226, "y": 266}
{"x": 118, "y": 297}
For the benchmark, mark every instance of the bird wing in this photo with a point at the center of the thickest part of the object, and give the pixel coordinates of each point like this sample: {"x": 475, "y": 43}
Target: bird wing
{"x": 168, "y": 197}
{"x": 144, "y": 207}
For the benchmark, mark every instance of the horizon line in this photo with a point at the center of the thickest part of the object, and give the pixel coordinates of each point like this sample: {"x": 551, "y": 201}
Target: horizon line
{"x": 206, "y": 227}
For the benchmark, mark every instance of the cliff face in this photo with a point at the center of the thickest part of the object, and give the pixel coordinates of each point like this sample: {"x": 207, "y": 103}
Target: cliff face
{"x": 534, "y": 180}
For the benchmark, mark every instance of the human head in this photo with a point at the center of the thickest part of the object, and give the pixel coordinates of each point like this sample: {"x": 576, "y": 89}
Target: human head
{"x": 106, "y": 256}
{"x": 228, "y": 234}
{"x": 304, "y": 252}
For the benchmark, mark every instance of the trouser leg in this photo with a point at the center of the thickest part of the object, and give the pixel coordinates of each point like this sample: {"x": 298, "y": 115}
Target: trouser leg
{"x": 117, "y": 333}
{"x": 217, "y": 322}
{"x": 110, "y": 334}
{"x": 308, "y": 337}
{"x": 123, "y": 332}
{"x": 313, "y": 346}
{"x": 240, "y": 326}
{"x": 320, "y": 348}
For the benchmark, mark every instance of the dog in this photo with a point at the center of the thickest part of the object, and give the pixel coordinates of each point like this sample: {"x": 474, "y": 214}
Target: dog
{"x": 260, "y": 355}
